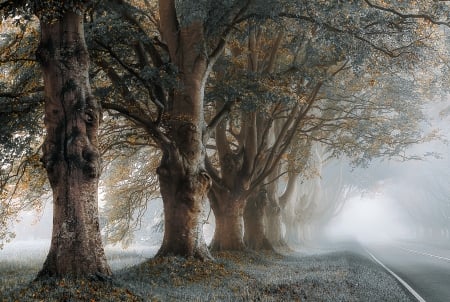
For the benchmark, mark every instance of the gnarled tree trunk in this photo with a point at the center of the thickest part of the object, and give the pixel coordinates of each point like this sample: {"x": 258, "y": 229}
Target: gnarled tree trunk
{"x": 183, "y": 180}
{"x": 70, "y": 153}
{"x": 183, "y": 188}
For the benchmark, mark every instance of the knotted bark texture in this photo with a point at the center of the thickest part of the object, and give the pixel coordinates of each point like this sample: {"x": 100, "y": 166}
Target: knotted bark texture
{"x": 70, "y": 153}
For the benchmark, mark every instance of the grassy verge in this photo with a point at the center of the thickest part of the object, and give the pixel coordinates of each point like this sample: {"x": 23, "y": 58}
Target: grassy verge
{"x": 234, "y": 276}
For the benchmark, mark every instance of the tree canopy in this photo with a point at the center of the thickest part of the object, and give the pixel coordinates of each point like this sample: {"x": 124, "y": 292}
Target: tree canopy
{"x": 368, "y": 65}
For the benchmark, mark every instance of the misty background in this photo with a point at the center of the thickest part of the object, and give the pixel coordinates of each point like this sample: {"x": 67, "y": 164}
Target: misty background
{"x": 391, "y": 200}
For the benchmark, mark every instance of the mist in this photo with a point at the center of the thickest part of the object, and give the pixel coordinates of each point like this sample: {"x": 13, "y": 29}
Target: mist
{"x": 402, "y": 200}
{"x": 369, "y": 218}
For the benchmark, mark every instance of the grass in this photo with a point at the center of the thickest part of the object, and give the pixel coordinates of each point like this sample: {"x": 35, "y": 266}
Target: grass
{"x": 59, "y": 290}
{"x": 234, "y": 276}
{"x": 19, "y": 269}
{"x": 14, "y": 274}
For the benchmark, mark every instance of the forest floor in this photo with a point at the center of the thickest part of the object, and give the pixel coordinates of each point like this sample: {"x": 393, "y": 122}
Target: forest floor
{"x": 313, "y": 274}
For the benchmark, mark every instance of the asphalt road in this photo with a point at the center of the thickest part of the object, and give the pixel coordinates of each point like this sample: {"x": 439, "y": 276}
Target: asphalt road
{"x": 425, "y": 267}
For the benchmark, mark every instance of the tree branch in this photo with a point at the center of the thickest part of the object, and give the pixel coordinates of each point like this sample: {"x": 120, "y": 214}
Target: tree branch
{"x": 169, "y": 26}
{"x": 217, "y": 119}
{"x": 160, "y": 138}
{"x": 156, "y": 95}
{"x": 408, "y": 16}
{"x": 284, "y": 141}
{"x": 215, "y": 54}
{"x": 212, "y": 171}
{"x": 273, "y": 52}
{"x": 388, "y": 52}
{"x": 250, "y": 150}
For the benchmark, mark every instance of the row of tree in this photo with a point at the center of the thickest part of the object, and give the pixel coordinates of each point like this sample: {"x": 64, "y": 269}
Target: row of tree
{"x": 234, "y": 97}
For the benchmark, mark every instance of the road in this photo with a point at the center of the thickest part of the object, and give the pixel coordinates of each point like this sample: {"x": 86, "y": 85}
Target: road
{"x": 426, "y": 268}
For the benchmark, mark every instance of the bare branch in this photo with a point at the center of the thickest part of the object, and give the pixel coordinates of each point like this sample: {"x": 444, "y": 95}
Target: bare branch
{"x": 155, "y": 91}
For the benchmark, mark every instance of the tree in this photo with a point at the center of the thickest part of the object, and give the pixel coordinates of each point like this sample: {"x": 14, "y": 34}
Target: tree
{"x": 70, "y": 152}
{"x": 320, "y": 48}
{"x": 146, "y": 79}
{"x": 173, "y": 69}
{"x": 21, "y": 123}
{"x": 316, "y": 198}
{"x": 153, "y": 60}
{"x": 247, "y": 152}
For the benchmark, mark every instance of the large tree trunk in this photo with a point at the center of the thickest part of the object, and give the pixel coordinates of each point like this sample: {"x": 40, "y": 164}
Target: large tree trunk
{"x": 183, "y": 188}
{"x": 254, "y": 235}
{"x": 229, "y": 231}
{"x": 228, "y": 196}
{"x": 70, "y": 153}
{"x": 183, "y": 180}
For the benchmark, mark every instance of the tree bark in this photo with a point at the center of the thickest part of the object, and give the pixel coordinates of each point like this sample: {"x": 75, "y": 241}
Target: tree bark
{"x": 70, "y": 154}
{"x": 228, "y": 212}
{"x": 255, "y": 230}
{"x": 183, "y": 190}
{"x": 183, "y": 179}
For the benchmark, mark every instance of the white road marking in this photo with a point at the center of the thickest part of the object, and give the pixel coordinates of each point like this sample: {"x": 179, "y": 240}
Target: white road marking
{"x": 406, "y": 285}
{"x": 425, "y": 254}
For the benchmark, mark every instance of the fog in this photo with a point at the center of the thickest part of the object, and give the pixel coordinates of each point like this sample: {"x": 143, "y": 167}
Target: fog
{"x": 369, "y": 219}
{"x": 407, "y": 200}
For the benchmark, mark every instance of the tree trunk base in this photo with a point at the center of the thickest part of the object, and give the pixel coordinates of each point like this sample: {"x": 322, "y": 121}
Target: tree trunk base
{"x": 228, "y": 235}
{"x": 282, "y": 246}
{"x": 78, "y": 267}
{"x": 261, "y": 245}
{"x": 254, "y": 236}
{"x": 202, "y": 254}
{"x": 183, "y": 189}
{"x": 221, "y": 246}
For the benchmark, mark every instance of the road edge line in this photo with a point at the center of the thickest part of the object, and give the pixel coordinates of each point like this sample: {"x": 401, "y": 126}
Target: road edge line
{"x": 425, "y": 254}
{"x": 403, "y": 282}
